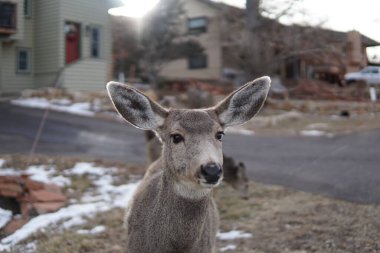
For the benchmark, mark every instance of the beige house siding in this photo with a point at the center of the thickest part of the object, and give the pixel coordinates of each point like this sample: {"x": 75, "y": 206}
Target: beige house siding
{"x": 210, "y": 41}
{"x": 46, "y": 16}
{"x": 43, "y": 34}
{"x": 11, "y": 80}
{"x": 87, "y": 73}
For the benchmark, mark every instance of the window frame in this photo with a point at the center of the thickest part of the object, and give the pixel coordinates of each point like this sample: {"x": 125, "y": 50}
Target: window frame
{"x": 192, "y": 66}
{"x": 12, "y": 28}
{"x": 28, "y": 70}
{"x": 197, "y": 30}
{"x": 98, "y": 43}
{"x": 28, "y": 12}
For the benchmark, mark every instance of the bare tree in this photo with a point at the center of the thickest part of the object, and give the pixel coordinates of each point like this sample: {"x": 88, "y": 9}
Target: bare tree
{"x": 265, "y": 43}
{"x": 160, "y": 40}
{"x": 147, "y": 44}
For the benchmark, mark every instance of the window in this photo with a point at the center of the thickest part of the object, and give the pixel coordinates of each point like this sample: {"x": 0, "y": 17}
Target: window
{"x": 28, "y": 8}
{"x": 7, "y": 16}
{"x": 197, "y": 25}
{"x": 197, "y": 61}
{"x": 23, "y": 60}
{"x": 95, "y": 42}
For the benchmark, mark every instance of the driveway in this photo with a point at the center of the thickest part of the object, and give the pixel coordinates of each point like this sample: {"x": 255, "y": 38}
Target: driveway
{"x": 345, "y": 167}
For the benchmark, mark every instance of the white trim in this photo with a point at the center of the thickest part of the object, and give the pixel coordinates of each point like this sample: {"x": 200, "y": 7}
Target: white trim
{"x": 28, "y": 13}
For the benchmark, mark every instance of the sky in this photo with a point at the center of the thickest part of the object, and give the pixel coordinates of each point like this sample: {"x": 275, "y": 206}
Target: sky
{"x": 340, "y": 15}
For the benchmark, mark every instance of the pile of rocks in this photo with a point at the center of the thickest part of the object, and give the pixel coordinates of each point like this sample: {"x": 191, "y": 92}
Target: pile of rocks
{"x": 27, "y": 198}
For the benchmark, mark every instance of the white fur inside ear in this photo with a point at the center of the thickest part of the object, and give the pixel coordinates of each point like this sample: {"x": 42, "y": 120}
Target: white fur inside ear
{"x": 246, "y": 102}
{"x": 145, "y": 119}
{"x": 135, "y": 107}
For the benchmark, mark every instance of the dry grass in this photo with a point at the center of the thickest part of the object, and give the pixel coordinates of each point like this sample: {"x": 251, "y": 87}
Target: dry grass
{"x": 280, "y": 220}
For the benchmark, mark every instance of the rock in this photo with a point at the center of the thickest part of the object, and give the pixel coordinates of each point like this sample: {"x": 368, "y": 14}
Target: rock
{"x": 7, "y": 193}
{"x": 13, "y": 187}
{"x": 46, "y": 196}
{"x": 33, "y": 185}
{"x": 13, "y": 225}
{"x": 48, "y": 207}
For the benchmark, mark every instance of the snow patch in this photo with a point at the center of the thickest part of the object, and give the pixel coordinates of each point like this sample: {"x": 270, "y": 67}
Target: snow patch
{"x": 62, "y": 105}
{"x": 89, "y": 168}
{"x": 2, "y": 162}
{"x": 228, "y": 247}
{"x": 104, "y": 197}
{"x": 316, "y": 133}
{"x": 232, "y": 235}
{"x": 5, "y": 217}
{"x": 95, "y": 230}
{"x": 240, "y": 130}
{"x": 41, "y": 173}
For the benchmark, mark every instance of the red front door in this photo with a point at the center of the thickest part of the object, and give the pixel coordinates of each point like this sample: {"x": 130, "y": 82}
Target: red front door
{"x": 72, "y": 39}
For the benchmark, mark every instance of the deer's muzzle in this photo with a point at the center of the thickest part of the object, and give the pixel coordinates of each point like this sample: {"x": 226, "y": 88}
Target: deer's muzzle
{"x": 211, "y": 172}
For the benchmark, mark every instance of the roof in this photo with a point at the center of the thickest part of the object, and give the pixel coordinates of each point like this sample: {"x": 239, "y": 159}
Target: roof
{"x": 330, "y": 34}
{"x": 342, "y": 36}
{"x": 221, "y": 6}
{"x": 115, "y": 3}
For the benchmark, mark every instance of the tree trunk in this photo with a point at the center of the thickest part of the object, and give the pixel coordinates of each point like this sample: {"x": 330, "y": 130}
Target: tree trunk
{"x": 253, "y": 29}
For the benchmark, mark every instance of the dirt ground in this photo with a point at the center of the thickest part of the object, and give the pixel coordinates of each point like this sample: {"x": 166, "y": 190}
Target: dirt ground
{"x": 281, "y": 117}
{"x": 279, "y": 219}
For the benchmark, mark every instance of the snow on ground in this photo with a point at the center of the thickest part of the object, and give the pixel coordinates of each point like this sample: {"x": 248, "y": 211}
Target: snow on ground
{"x": 105, "y": 196}
{"x": 315, "y": 133}
{"x": 2, "y": 162}
{"x": 5, "y": 216}
{"x": 95, "y": 230}
{"x": 41, "y": 173}
{"x": 232, "y": 235}
{"x": 228, "y": 247}
{"x": 239, "y": 130}
{"x": 62, "y": 105}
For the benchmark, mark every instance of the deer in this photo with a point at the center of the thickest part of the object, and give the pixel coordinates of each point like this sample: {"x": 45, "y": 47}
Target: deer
{"x": 234, "y": 173}
{"x": 172, "y": 209}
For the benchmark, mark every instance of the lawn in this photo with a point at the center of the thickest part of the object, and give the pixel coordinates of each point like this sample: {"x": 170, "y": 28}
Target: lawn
{"x": 273, "y": 219}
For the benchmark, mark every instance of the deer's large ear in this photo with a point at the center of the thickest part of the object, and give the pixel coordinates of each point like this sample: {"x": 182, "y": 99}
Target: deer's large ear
{"x": 135, "y": 107}
{"x": 241, "y": 105}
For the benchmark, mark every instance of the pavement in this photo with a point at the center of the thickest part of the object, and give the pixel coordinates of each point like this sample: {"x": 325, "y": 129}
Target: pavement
{"x": 345, "y": 167}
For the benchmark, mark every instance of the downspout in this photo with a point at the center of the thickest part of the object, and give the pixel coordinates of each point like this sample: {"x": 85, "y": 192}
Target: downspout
{"x": 1, "y": 69}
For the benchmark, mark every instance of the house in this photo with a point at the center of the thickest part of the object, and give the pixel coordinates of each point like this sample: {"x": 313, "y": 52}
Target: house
{"x": 44, "y": 42}
{"x": 202, "y": 23}
{"x": 326, "y": 55}
{"x": 308, "y": 52}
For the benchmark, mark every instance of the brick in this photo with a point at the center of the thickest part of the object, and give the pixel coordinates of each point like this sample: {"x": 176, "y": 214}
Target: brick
{"x": 46, "y": 196}
{"x": 47, "y": 207}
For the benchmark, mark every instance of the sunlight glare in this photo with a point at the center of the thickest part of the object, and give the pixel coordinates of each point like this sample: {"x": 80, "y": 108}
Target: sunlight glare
{"x": 133, "y": 8}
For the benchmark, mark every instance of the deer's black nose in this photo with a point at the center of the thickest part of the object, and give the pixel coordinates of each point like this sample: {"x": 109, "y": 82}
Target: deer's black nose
{"x": 211, "y": 172}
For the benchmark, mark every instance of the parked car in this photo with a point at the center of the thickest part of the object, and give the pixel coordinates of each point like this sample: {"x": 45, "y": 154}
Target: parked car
{"x": 370, "y": 74}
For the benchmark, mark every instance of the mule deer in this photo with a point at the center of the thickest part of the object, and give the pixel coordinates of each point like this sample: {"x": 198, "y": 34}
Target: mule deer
{"x": 234, "y": 173}
{"x": 173, "y": 209}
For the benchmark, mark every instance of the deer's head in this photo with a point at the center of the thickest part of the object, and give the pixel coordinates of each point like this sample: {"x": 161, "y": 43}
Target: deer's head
{"x": 192, "y": 138}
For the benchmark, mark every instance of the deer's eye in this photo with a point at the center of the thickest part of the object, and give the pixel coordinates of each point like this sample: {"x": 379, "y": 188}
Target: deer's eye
{"x": 177, "y": 138}
{"x": 219, "y": 136}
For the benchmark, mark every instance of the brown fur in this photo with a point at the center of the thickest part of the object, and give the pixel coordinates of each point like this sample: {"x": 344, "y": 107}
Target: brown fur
{"x": 173, "y": 209}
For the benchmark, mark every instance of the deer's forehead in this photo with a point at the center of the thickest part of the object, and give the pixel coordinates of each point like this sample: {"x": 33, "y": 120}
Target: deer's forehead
{"x": 194, "y": 121}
